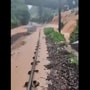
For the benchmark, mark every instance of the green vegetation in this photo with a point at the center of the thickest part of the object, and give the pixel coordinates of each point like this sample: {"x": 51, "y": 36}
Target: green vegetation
{"x": 19, "y": 13}
{"x": 73, "y": 59}
{"x": 58, "y": 37}
{"x": 48, "y": 30}
{"x": 74, "y": 35}
{"x": 52, "y": 34}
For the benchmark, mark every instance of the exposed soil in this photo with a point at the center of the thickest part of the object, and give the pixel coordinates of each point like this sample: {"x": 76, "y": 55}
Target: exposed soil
{"x": 69, "y": 18}
{"x": 68, "y": 29}
{"x": 66, "y": 17}
{"x": 17, "y": 36}
{"x": 18, "y": 44}
{"x": 18, "y": 29}
{"x": 63, "y": 75}
{"x": 22, "y": 58}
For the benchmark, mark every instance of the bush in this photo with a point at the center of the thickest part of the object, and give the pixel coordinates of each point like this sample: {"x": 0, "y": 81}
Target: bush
{"x": 19, "y": 13}
{"x": 55, "y": 36}
{"x": 48, "y": 30}
{"x": 74, "y": 35}
{"x": 14, "y": 22}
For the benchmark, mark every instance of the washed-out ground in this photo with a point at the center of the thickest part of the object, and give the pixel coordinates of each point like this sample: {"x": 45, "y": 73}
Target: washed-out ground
{"x": 22, "y": 52}
{"x": 55, "y": 72}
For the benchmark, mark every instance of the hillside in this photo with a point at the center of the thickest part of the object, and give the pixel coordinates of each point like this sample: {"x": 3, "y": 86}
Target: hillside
{"x": 69, "y": 19}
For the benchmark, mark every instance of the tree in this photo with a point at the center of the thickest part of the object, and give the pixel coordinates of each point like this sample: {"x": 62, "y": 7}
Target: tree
{"x": 19, "y": 13}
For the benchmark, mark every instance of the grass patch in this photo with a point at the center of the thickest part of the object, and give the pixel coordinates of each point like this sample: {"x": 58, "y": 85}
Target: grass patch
{"x": 73, "y": 59}
{"x": 48, "y": 30}
{"x": 52, "y": 34}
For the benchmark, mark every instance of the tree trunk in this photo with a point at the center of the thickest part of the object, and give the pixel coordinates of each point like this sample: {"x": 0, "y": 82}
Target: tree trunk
{"x": 59, "y": 22}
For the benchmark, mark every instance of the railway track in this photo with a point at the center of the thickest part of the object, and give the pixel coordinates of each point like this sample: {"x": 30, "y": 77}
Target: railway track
{"x": 31, "y": 83}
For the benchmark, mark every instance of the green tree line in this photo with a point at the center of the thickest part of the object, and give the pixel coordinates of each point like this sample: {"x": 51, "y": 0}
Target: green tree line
{"x": 19, "y": 13}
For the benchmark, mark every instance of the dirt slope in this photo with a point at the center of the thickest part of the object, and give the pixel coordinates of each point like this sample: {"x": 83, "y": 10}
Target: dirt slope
{"x": 69, "y": 18}
{"x": 68, "y": 29}
{"x": 19, "y": 29}
{"x": 17, "y": 36}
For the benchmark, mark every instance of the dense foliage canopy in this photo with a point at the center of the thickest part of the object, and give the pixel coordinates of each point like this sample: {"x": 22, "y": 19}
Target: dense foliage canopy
{"x": 19, "y": 13}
